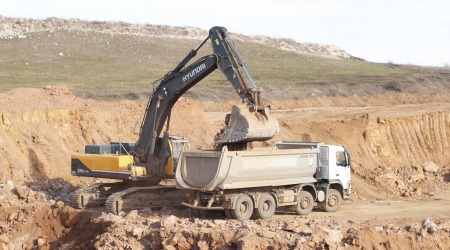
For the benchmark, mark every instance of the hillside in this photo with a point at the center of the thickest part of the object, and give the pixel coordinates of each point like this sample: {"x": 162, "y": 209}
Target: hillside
{"x": 118, "y": 60}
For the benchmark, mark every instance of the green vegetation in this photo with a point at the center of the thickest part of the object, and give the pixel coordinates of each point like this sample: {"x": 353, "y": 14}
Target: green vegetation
{"x": 125, "y": 66}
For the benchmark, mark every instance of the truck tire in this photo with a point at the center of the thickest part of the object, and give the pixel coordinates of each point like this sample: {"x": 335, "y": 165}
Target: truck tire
{"x": 333, "y": 201}
{"x": 243, "y": 207}
{"x": 305, "y": 203}
{"x": 228, "y": 214}
{"x": 266, "y": 207}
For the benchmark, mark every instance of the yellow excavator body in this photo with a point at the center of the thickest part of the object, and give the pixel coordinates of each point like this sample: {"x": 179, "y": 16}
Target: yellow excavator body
{"x": 96, "y": 165}
{"x": 115, "y": 166}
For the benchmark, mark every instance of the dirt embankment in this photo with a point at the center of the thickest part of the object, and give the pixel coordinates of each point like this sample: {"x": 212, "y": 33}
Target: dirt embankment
{"x": 399, "y": 146}
{"x": 389, "y": 136}
{"x": 41, "y": 128}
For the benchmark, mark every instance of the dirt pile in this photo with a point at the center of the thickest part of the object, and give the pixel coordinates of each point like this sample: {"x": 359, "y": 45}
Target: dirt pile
{"x": 175, "y": 229}
{"x": 31, "y": 219}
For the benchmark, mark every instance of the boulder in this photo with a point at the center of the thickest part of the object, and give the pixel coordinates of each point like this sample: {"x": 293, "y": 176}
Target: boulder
{"x": 430, "y": 167}
{"x": 60, "y": 204}
{"x": 417, "y": 177}
{"x": 41, "y": 242}
{"x": 429, "y": 225}
{"x": 3, "y": 199}
{"x": 444, "y": 225}
{"x": 22, "y": 192}
{"x": 21, "y": 216}
{"x": 400, "y": 184}
{"x": 219, "y": 222}
{"x": 169, "y": 221}
{"x": 203, "y": 245}
{"x": 245, "y": 224}
{"x": 415, "y": 227}
{"x": 12, "y": 216}
{"x": 4, "y": 238}
{"x": 417, "y": 191}
{"x": 8, "y": 186}
{"x": 137, "y": 232}
{"x": 332, "y": 236}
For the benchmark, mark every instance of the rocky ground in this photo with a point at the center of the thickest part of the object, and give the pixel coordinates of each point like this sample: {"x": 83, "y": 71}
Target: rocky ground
{"x": 35, "y": 220}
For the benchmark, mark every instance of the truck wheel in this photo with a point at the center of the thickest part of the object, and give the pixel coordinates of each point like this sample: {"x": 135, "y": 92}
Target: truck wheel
{"x": 305, "y": 203}
{"x": 333, "y": 201}
{"x": 243, "y": 207}
{"x": 266, "y": 207}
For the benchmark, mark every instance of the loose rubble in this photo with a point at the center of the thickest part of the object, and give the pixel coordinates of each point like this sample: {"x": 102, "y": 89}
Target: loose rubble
{"x": 47, "y": 224}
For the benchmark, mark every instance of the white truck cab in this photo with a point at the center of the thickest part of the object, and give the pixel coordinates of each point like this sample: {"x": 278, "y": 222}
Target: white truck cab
{"x": 334, "y": 164}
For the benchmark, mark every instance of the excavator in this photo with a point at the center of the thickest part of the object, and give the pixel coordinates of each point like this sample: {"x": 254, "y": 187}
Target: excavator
{"x": 144, "y": 166}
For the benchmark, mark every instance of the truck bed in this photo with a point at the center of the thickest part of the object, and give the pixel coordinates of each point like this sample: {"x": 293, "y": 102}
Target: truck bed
{"x": 210, "y": 170}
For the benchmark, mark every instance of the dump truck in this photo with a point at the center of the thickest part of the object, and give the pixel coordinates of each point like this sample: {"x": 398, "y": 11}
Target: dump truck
{"x": 254, "y": 183}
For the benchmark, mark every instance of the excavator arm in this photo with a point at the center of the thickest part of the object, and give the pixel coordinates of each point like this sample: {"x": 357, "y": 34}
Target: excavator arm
{"x": 161, "y": 102}
{"x": 250, "y": 122}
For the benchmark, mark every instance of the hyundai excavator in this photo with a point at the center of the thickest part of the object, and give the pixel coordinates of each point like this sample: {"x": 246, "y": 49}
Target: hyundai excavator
{"x": 143, "y": 165}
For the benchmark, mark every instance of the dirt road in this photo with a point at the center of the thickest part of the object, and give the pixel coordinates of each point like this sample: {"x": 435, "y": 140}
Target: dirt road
{"x": 389, "y": 210}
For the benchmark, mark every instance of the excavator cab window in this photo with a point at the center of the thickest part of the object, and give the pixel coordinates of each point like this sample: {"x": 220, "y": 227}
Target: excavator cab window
{"x": 178, "y": 146}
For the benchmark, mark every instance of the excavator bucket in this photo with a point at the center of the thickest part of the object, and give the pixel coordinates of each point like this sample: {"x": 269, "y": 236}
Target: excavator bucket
{"x": 244, "y": 124}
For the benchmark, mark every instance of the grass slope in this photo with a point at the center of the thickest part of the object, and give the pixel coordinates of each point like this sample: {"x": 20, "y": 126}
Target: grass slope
{"x": 105, "y": 66}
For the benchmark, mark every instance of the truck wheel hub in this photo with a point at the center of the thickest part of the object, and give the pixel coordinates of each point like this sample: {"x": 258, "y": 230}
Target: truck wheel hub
{"x": 332, "y": 201}
{"x": 304, "y": 203}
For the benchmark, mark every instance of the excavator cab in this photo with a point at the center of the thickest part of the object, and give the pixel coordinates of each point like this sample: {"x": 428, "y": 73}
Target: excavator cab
{"x": 176, "y": 145}
{"x": 113, "y": 161}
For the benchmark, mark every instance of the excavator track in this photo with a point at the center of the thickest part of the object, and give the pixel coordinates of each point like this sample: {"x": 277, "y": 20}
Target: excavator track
{"x": 144, "y": 197}
{"x": 94, "y": 195}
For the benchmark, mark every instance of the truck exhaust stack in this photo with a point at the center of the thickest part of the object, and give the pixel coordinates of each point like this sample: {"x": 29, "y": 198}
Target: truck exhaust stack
{"x": 246, "y": 124}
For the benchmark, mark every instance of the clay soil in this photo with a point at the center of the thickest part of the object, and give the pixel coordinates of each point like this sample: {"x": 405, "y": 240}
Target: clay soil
{"x": 400, "y": 147}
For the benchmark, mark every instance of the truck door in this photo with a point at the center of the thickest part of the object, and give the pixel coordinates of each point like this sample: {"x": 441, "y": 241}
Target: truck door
{"x": 342, "y": 171}
{"x": 324, "y": 164}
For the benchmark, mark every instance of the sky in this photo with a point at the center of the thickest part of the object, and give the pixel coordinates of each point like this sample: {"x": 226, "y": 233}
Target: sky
{"x": 405, "y": 32}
